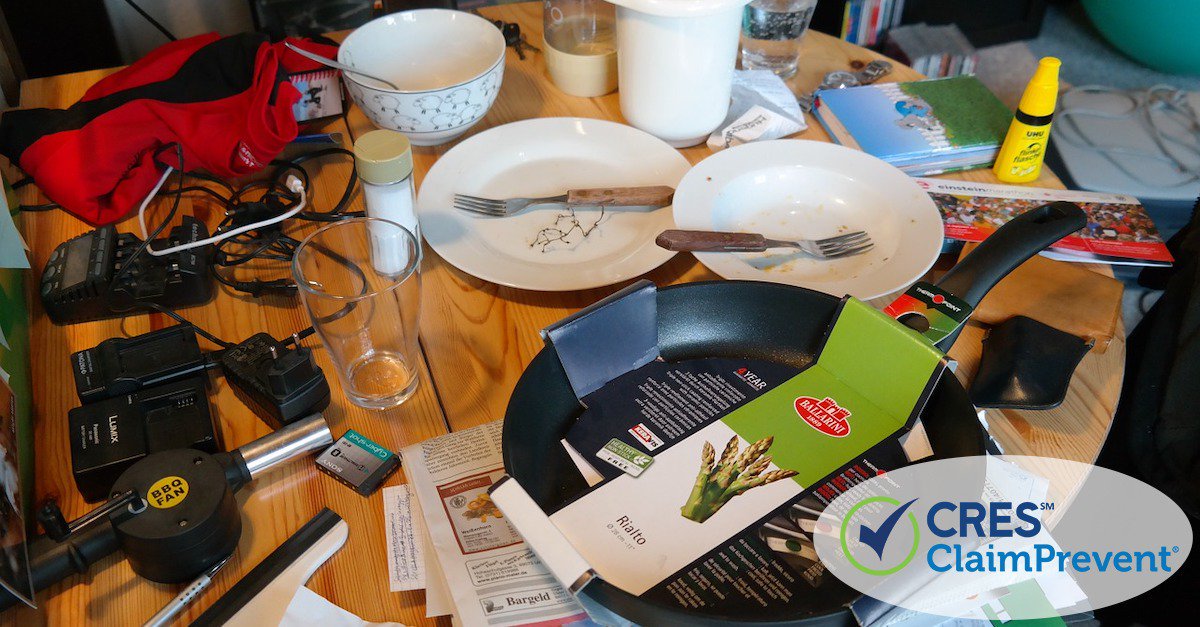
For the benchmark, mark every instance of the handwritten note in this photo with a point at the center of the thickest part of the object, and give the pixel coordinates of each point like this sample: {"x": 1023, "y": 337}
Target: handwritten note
{"x": 405, "y": 530}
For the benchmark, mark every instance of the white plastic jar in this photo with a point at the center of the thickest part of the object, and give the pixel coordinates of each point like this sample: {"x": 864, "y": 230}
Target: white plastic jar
{"x": 675, "y": 61}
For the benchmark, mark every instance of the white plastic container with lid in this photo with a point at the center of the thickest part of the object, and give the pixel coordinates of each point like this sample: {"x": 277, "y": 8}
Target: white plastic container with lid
{"x": 675, "y": 61}
{"x": 384, "y": 163}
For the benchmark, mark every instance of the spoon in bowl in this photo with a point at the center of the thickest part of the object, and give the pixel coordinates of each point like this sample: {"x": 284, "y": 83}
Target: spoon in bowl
{"x": 337, "y": 66}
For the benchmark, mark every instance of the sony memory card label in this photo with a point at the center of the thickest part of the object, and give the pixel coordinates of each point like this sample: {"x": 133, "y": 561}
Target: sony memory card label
{"x": 358, "y": 462}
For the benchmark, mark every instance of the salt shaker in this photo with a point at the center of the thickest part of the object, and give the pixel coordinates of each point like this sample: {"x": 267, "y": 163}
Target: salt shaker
{"x": 384, "y": 162}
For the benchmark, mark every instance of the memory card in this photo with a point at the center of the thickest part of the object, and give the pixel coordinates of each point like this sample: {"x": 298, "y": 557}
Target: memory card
{"x": 358, "y": 462}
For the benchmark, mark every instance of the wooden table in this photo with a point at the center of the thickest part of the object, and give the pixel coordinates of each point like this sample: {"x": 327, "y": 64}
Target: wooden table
{"x": 476, "y": 338}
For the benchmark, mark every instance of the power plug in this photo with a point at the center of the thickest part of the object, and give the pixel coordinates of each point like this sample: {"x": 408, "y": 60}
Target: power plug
{"x": 280, "y": 383}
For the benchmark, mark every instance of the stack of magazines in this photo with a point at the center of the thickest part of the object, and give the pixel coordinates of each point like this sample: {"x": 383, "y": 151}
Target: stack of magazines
{"x": 932, "y": 50}
{"x": 1118, "y": 231}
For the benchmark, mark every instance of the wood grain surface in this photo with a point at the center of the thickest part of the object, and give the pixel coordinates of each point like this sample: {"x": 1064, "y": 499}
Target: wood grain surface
{"x": 476, "y": 339}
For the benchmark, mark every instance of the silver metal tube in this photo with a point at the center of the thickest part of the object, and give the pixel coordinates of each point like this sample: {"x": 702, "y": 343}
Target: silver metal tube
{"x": 299, "y": 438}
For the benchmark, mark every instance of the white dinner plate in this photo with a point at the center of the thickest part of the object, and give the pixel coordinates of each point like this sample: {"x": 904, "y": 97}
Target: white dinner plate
{"x": 546, "y": 157}
{"x": 790, "y": 189}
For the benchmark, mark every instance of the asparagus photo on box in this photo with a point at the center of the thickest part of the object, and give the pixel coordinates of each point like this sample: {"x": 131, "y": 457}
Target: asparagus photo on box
{"x": 734, "y": 474}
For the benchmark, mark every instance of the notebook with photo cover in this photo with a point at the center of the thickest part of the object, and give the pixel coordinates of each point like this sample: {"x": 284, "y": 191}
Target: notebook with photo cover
{"x": 921, "y": 127}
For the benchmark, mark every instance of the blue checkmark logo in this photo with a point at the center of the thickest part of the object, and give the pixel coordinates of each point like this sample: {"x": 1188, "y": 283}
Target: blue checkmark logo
{"x": 876, "y": 538}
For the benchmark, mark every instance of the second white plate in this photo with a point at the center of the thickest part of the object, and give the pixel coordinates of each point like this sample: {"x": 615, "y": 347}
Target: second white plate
{"x": 546, "y": 248}
{"x": 790, "y": 189}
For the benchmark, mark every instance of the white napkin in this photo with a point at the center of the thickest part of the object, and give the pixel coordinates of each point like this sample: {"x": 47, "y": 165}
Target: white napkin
{"x": 762, "y": 108}
{"x": 311, "y": 609}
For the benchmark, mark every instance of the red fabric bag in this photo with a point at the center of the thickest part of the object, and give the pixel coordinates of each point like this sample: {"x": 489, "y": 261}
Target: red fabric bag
{"x": 225, "y": 101}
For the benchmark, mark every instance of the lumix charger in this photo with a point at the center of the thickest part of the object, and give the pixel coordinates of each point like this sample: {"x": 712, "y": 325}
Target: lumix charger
{"x": 110, "y": 435}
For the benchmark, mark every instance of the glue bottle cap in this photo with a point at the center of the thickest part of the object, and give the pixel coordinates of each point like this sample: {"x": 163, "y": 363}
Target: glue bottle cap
{"x": 1042, "y": 90}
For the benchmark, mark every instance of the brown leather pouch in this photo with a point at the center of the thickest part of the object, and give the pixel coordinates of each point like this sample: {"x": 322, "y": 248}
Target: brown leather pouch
{"x": 1066, "y": 296}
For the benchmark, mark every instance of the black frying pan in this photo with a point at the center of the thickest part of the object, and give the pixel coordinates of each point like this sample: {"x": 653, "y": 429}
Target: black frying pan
{"x": 746, "y": 319}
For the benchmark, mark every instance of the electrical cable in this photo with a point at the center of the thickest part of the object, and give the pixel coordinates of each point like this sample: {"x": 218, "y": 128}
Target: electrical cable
{"x": 295, "y": 338}
{"x": 180, "y": 319}
{"x": 153, "y": 22}
{"x": 1171, "y": 102}
{"x": 294, "y": 166}
{"x": 205, "y": 176}
{"x": 271, "y": 243}
{"x": 293, "y": 184}
{"x": 145, "y": 244}
{"x": 209, "y": 191}
{"x": 50, "y": 206}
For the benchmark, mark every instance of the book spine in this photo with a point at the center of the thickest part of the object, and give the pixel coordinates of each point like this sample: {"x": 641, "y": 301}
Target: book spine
{"x": 885, "y": 19}
{"x": 845, "y": 34}
{"x": 855, "y": 18}
{"x": 873, "y": 26}
{"x": 864, "y": 22}
{"x": 833, "y": 126}
{"x": 916, "y": 170}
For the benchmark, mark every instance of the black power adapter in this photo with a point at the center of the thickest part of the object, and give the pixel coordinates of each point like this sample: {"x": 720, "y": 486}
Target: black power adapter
{"x": 281, "y": 384}
{"x": 149, "y": 393}
{"x": 110, "y": 435}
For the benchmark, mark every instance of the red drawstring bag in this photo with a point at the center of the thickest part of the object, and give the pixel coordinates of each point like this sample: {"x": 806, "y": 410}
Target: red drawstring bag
{"x": 225, "y": 101}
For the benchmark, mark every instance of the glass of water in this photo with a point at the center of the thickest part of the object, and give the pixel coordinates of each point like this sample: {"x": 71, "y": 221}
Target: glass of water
{"x": 360, "y": 282}
{"x": 771, "y": 34}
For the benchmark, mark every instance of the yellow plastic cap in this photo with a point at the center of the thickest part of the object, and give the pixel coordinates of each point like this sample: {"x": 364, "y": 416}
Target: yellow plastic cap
{"x": 383, "y": 157}
{"x": 1042, "y": 91}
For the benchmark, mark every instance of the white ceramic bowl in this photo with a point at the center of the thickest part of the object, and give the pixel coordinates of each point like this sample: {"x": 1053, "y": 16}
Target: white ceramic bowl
{"x": 791, "y": 189}
{"x": 447, "y": 64}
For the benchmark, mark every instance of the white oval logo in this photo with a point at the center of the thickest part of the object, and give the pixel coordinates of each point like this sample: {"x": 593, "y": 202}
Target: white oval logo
{"x": 1003, "y": 537}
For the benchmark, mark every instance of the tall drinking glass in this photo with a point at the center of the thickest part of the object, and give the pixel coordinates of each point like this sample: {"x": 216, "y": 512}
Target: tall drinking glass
{"x": 771, "y": 34}
{"x": 360, "y": 282}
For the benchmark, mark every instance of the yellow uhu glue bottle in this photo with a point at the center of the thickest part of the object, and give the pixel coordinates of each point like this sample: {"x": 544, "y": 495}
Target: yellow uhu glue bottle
{"x": 1024, "y": 148}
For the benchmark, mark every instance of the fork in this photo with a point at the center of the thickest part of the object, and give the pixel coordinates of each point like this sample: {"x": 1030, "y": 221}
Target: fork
{"x": 654, "y": 196}
{"x": 845, "y": 245}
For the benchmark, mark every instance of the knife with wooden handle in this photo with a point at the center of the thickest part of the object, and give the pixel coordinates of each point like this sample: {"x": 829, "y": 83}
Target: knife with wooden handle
{"x": 651, "y": 196}
{"x": 710, "y": 241}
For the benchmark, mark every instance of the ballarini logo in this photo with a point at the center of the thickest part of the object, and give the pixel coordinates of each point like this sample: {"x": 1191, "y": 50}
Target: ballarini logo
{"x": 824, "y": 415}
{"x": 875, "y": 536}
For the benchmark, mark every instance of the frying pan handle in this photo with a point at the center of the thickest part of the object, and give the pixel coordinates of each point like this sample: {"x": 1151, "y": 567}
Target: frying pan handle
{"x": 1011, "y": 245}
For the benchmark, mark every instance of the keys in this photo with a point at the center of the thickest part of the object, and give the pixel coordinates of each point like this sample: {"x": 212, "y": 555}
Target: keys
{"x": 841, "y": 79}
{"x": 513, "y": 37}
